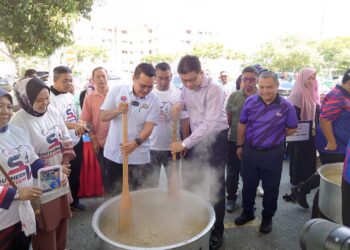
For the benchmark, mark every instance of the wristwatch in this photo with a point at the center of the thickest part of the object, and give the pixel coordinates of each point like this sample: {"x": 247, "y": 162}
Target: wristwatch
{"x": 138, "y": 141}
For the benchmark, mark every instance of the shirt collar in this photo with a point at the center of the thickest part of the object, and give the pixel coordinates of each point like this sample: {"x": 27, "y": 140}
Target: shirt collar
{"x": 346, "y": 93}
{"x": 277, "y": 100}
{"x": 131, "y": 92}
{"x": 4, "y": 128}
{"x": 55, "y": 91}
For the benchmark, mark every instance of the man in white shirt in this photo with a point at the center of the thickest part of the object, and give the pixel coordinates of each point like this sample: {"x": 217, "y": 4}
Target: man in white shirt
{"x": 63, "y": 101}
{"x": 142, "y": 108}
{"x": 227, "y": 86}
{"x": 162, "y": 134}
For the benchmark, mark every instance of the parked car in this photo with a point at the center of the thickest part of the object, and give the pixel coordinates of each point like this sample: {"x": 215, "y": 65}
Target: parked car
{"x": 285, "y": 87}
{"x": 176, "y": 82}
{"x": 5, "y": 84}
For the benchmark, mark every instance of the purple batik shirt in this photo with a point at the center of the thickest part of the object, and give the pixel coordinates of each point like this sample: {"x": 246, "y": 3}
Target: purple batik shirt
{"x": 266, "y": 124}
{"x": 205, "y": 107}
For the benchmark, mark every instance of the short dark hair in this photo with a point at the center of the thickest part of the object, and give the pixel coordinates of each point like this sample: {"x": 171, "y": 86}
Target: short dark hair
{"x": 144, "y": 68}
{"x": 163, "y": 66}
{"x": 188, "y": 64}
{"x": 270, "y": 74}
{"x": 346, "y": 76}
{"x": 30, "y": 73}
{"x": 60, "y": 70}
{"x": 98, "y": 68}
{"x": 250, "y": 69}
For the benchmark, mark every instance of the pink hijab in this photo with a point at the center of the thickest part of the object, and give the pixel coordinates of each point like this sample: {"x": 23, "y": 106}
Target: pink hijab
{"x": 305, "y": 97}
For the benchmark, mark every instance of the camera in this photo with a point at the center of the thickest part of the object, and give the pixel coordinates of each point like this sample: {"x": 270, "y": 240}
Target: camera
{"x": 320, "y": 234}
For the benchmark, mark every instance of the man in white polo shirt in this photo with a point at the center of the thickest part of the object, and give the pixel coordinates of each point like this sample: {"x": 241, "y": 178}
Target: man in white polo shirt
{"x": 142, "y": 108}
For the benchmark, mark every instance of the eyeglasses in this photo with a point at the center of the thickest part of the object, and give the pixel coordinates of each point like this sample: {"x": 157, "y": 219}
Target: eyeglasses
{"x": 249, "y": 79}
{"x": 223, "y": 76}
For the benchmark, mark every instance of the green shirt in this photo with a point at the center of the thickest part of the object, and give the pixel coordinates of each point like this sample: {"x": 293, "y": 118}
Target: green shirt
{"x": 234, "y": 105}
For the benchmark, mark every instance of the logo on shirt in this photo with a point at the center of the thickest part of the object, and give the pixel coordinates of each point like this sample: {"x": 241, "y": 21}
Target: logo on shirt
{"x": 123, "y": 98}
{"x": 18, "y": 161}
{"x": 71, "y": 113}
{"x": 53, "y": 138}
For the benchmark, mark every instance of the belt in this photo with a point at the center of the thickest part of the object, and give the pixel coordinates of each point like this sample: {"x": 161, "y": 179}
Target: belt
{"x": 262, "y": 148}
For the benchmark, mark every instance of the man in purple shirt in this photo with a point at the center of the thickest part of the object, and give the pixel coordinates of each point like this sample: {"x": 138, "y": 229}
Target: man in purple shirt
{"x": 266, "y": 120}
{"x": 207, "y": 145}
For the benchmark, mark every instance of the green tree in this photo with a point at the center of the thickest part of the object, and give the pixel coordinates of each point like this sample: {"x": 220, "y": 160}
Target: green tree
{"x": 38, "y": 28}
{"x": 91, "y": 52}
{"x": 208, "y": 50}
{"x": 156, "y": 58}
{"x": 335, "y": 52}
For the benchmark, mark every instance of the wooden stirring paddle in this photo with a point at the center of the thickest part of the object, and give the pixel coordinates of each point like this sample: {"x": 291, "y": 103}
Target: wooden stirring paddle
{"x": 174, "y": 182}
{"x": 125, "y": 205}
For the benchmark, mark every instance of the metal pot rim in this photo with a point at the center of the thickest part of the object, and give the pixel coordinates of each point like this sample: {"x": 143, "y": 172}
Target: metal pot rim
{"x": 99, "y": 210}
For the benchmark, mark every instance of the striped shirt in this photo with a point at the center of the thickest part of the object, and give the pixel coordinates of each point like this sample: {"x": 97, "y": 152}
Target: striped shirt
{"x": 336, "y": 108}
{"x": 266, "y": 124}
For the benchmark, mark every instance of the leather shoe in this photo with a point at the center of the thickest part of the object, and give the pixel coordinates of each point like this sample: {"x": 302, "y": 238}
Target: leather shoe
{"x": 299, "y": 196}
{"x": 230, "y": 205}
{"x": 244, "y": 218}
{"x": 77, "y": 206}
{"x": 215, "y": 240}
{"x": 266, "y": 225}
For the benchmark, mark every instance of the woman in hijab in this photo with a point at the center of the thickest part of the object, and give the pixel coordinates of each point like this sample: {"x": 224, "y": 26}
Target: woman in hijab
{"x": 18, "y": 165}
{"x": 305, "y": 98}
{"x": 52, "y": 143}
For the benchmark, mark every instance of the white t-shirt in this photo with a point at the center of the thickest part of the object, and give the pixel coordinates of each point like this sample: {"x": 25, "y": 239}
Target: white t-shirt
{"x": 162, "y": 133}
{"x": 65, "y": 104}
{"x": 16, "y": 156}
{"x": 147, "y": 110}
{"x": 228, "y": 89}
{"x": 47, "y": 134}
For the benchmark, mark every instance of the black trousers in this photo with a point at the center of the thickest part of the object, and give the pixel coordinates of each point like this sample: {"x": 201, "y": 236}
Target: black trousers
{"x": 345, "y": 193}
{"x": 111, "y": 174}
{"x": 159, "y": 158}
{"x": 264, "y": 165}
{"x": 314, "y": 180}
{"x": 75, "y": 166}
{"x": 233, "y": 168}
{"x": 13, "y": 238}
{"x": 203, "y": 170}
{"x": 139, "y": 175}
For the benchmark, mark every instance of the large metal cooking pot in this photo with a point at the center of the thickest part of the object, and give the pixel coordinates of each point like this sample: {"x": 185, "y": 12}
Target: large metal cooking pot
{"x": 199, "y": 241}
{"x": 330, "y": 191}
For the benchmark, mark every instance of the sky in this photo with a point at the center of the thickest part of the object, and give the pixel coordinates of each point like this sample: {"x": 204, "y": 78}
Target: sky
{"x": 246, "y": 24}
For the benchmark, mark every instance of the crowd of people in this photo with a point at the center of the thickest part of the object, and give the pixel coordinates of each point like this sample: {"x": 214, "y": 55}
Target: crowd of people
{"x": 239, "y": 126}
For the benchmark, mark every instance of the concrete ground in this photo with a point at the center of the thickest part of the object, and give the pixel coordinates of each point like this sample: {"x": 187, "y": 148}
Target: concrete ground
{"x": 287, "y": 224}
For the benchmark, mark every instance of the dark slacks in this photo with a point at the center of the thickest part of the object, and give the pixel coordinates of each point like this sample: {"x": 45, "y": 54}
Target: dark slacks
{"x": 264, "y": 165}
{"x": 13, "y": 238}
{"x": 159, "y": 158}
{"x": 314, "y": 180}
{"x": 345, "y": 193}
{"x": 111, "y": 174}
{"x": 75, "y": 166}
{"x": 233, "y": 168}
{"x": 203, "y": 170}
{"x": 139, "y": 175}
